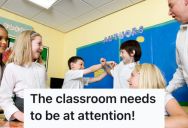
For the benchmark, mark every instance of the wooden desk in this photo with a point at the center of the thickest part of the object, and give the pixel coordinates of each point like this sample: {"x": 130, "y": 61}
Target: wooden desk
{"x": 11, "y": 124}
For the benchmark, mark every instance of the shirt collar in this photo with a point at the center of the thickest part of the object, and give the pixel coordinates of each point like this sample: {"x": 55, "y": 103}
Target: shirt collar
{"x": 184, "y": 26}
{"x": 130, "y": 64}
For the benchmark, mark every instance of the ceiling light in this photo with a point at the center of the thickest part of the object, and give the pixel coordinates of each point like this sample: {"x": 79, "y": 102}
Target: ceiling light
{"x": 43, "y": 3}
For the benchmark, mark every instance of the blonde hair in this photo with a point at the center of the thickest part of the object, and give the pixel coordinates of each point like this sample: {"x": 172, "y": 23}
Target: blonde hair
{"x": 22, "y": 49}
{"x": 150, "y": 76}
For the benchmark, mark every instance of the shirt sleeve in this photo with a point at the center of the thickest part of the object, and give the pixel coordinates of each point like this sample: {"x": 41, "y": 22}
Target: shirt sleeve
{"x": 178, "y": 78}
{"x": 74, "y": 74}
{"x": 6, "y": 93}
{"x": 86, "y": 81}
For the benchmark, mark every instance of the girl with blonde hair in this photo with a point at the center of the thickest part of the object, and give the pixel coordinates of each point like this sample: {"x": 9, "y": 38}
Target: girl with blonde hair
{"x": 22, "y": 72}
{"x": 149, "y": 76}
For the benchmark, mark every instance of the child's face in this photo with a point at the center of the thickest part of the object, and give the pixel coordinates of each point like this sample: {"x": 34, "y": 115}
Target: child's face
{"x": 126, "y": 58}
{"x": 79, "y": 64}
{"x": 134, "y": 80}
{"x": 36, "y": 47}
{"x": 3, "y": 40}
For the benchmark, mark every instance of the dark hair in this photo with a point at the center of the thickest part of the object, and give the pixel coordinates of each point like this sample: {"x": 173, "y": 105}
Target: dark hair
{"x": 2, "y": 27}
{"x": 74, "y": 59}
{"x": 131, "y": 45}
{"x": 1, "y": 56}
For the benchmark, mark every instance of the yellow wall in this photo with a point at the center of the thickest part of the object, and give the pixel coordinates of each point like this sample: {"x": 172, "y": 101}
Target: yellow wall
{"x": 51, "y": 38}
{"x": 147, "y": 13}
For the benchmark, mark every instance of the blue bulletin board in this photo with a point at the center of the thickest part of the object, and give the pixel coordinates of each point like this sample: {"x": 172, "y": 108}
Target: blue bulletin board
{"x": 158, "y": 48}
{"x": 92, "y": 54}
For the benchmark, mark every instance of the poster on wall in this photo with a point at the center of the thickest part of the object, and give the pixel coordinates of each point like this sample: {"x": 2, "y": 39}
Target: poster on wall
{"x": 44, "y": 56}
{"x": 14, "y": 28}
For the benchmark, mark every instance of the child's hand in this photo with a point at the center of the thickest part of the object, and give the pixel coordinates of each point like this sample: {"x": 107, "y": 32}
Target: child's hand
{"x": 112, "y": 64}
{"x": 19, "y": 116}
{"x": 103, "y": 61}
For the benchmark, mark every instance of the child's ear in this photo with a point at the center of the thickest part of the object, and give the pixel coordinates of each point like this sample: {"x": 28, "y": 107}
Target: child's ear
{"x": 71, "y": 65}
{"x": 132, "y": 53}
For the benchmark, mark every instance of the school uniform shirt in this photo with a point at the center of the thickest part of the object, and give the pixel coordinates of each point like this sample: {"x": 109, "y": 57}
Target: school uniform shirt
{"x": 74, "y": 80}
{"x": 17, "y": 78}
{"x": 168, "y": 97}
{"x": 180, "y": 77}
{"x": 121, "y": 73}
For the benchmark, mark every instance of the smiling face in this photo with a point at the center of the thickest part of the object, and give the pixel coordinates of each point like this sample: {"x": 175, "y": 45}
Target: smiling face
{"x": 36, "y": 47}
{"x": 3, "y": 40}
{"x": 79, "y": 64}
{"x": 134, "y": 80}
{"x": 178, "y": 10}
{"x": 126, "y": 58}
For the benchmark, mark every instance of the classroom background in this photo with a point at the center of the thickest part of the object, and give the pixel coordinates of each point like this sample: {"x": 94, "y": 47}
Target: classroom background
{"x": 149, "y": 14}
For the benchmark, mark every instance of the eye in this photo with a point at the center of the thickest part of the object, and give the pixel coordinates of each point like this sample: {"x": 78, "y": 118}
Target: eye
{"x": 170, "y": 6}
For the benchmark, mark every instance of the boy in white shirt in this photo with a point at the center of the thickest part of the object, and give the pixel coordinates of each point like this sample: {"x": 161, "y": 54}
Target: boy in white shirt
{"x": 74, "y": 77}
{"x": 130, "y": 52}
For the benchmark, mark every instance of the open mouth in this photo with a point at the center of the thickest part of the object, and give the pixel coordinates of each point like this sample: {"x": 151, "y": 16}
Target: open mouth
{"x": 3, "y": 47}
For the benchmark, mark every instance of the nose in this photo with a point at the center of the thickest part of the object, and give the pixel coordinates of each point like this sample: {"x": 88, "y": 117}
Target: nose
{"x": 169, "y": 12}
{"x": 41, "y": 47}
{"x": 3, "y": 43}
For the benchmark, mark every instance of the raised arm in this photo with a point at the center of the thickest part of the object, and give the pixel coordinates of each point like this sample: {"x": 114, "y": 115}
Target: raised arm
{"x": 98, "y": 78}
{"x": 178, "y": 78}
{"x": 108, "y": 66}
{"x": 92, "y": 69}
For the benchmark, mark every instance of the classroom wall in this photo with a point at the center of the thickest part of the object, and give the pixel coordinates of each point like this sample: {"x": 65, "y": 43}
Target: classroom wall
{"x": 51, "y": 38}
{"x": 147, "y": 13}
{"x": 63, "y": 45}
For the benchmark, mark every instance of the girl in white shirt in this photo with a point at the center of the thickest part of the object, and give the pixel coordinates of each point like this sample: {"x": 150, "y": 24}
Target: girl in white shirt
{"x": 23, "y": 72}
{"x": 149, "y": 76}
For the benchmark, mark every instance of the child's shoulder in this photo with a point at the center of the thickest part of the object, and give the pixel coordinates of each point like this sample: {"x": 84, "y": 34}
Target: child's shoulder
{"x": 74, "y": 71}
{"x": 35, "y": 64}
{"x": 70, "y": 72}
{"x": 9, "y": 65}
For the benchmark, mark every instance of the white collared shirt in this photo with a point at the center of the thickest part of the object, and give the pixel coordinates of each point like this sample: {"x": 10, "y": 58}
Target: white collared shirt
{"x": 180, "y": 77}
{"x": 74, "y": 80}
{"x": 17, "y": 78}
{"x": 121, "y": 73}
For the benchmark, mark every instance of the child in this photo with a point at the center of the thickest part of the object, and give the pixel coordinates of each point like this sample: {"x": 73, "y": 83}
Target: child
{"x": 149, "y": 76}
{"x": 74, "y": 77}
{"x": 3, "y": 45}
{"x": 130, "y": 52}
{"x": 23, "y": 72}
